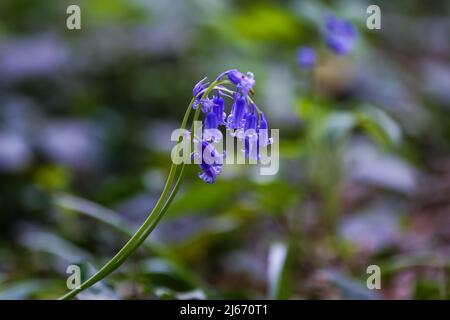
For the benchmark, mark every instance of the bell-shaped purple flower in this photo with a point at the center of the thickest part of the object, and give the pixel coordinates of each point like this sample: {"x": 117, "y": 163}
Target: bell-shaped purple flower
{"x": 237, "y": 113}
{"x": 250, "y": 121}
{"x": 251, "y": 136}
{"x": 211, "y": 164}
{"x": 306, "y": 57}
{"x": 198, "y": 88}
{"x": 198, "y": 93}
{"x": 263, "y": 132}
{"x": 340, "y": 35}
{"x": 211, "y": 120}
{"x": 263, "y": 121}
{"x": 219, "y": 109}
{"x": 211, "y": 125}
{"x": 242, "y": 120}
{"x": 243, "y": 82}
{"x": 207, "y": 104}
{"x": 235, "y": 77}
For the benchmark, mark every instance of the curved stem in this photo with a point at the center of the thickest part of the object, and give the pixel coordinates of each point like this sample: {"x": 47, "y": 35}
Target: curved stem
{"x": 153, "y": 218}
{"x": 156, "y": 220}
{"x": 132, "y": 244}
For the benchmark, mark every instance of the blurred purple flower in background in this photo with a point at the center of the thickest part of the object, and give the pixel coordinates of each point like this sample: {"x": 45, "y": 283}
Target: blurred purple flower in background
{"x": 306, "y": 57}
{"x": 25, "y": 57}
{"x": 340, "y": 35}
{"x": 15, "y": 153}
{"x": 372, "y": 229}
{"x": 72, "y": 142}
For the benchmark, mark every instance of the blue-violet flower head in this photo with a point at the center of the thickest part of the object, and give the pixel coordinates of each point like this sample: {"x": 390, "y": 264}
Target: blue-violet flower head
{"x": 340, "y": 35}
{"x": 243, "y": 82}
{"x": 237, "y": 113}
{"x": 306, "y": 57}
{"x": 210, "y": 170}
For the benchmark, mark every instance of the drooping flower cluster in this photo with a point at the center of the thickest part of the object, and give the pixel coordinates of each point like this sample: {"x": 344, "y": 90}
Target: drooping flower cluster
{"x": 209, "y": 165}
{"x": 244, "y": 121}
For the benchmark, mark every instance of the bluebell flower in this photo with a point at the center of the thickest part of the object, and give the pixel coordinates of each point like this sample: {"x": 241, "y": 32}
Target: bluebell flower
{"x": 211, "y": 121}
{"x": 207, "y": 104}
{"x": 210, "y": 168}
{"x": 306, "y": 57}
{"x": 198, "y": 93}
{"x": 263, "y": 131}
{"x": 198, "y": 89}
{"x": 219, "y": 109}
{"x": 251, "y": 120}
{"x": 244, "y": 115}
{"x": 340, "y": 35}
{"x": 211, "y": 125}
{"x": 237, "y": 113}
{"x": 262, "y": 121}
{"x": 243, "y": 82}
{"x": 251, "y": 136}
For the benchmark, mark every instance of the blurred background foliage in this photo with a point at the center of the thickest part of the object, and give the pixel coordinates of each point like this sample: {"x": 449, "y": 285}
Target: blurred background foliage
{"x": 85, "y": 123}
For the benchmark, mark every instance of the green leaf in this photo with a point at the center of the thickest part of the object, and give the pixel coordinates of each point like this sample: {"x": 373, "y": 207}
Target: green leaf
{"x": 380, "y": 126}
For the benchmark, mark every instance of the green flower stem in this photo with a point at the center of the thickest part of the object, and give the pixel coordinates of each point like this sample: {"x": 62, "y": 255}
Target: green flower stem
{"x": 153, "y": 218}
{"x": 159, "y": 215}
{"x": 156, "y": 220}
{"x": 131, "y": 245}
